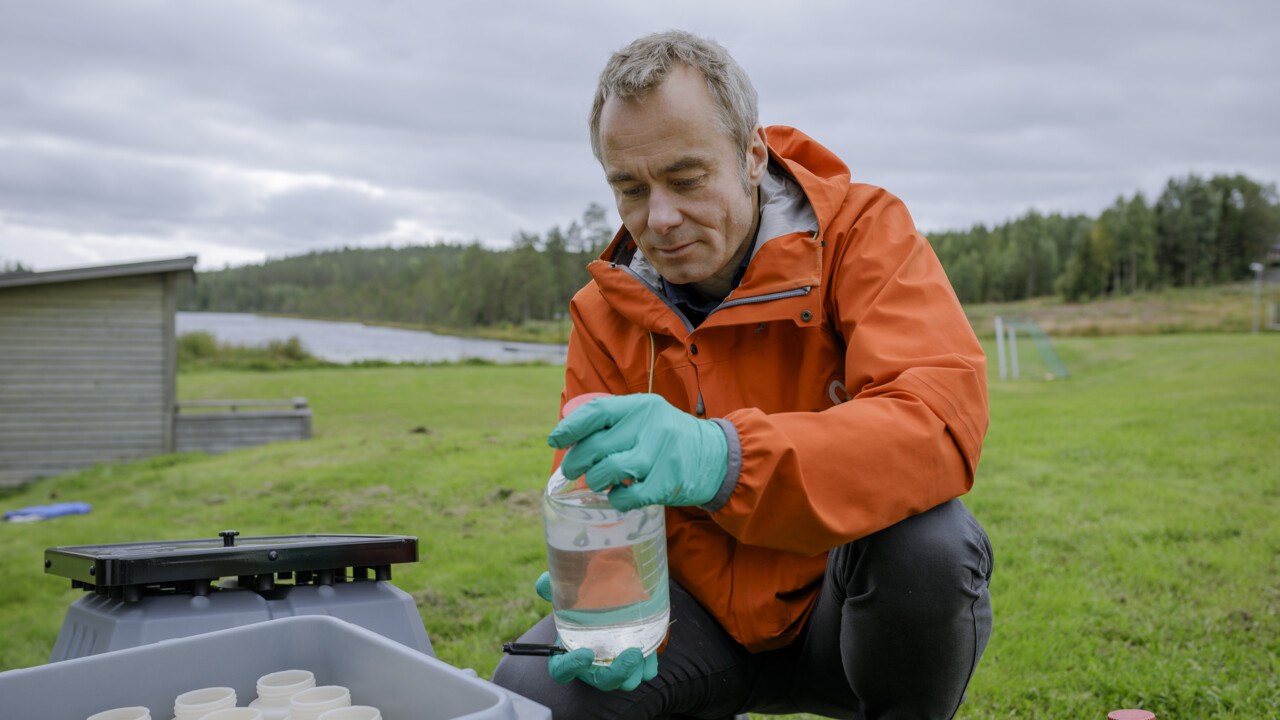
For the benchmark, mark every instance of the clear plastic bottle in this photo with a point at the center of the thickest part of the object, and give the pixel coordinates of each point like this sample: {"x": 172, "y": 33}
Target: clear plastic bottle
{"x": 608, "y": 568}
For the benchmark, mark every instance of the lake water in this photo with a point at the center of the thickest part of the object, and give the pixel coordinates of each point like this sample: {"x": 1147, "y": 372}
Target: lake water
{"x": 346, "y": 342}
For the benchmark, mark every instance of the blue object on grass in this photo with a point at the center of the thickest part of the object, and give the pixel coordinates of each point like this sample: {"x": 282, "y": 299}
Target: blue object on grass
{"x": 44, "y": 512}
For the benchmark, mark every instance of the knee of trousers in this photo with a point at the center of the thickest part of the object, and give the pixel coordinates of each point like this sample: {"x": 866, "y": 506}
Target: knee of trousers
{"x": 936, "y": 562}
{"x": 528, "y": 676}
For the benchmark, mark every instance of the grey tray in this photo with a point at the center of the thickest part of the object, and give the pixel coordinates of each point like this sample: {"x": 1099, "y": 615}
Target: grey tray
{"x": 403, "y": 683}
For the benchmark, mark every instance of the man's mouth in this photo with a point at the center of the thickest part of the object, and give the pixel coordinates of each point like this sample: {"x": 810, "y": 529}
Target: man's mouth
{"x": 675, "y": 251}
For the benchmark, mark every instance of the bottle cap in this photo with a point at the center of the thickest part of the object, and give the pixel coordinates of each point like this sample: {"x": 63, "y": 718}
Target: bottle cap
{"x": 578, "y": 401}
{"x": 1131, "y": 715}
{"x": 562, "y": 484}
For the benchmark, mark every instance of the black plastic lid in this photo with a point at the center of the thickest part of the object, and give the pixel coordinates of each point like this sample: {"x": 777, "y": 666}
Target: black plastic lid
{"x": 177, "y": 561}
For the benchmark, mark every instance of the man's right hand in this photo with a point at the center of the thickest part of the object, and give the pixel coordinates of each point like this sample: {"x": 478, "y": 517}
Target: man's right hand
{"x": 642, "y": 450}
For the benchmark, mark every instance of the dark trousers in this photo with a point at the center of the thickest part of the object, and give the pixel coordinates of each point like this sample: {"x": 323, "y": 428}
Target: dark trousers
{"x": 900, "y": 623}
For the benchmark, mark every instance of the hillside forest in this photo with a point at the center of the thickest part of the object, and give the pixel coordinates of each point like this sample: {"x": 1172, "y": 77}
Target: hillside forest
{"x": 1199, "y": 231}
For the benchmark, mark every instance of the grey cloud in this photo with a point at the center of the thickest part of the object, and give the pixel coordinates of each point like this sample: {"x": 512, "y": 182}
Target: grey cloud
{"x": 112, "y": 194}
{"x": 95, "y": 193}
{"x": 325, "y": 214}
{"x": 472, "y": 115}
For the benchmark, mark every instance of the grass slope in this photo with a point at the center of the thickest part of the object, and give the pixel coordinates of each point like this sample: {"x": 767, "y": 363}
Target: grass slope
{"x": 1209, "y": 309}
{"x": 1132, "y": 510}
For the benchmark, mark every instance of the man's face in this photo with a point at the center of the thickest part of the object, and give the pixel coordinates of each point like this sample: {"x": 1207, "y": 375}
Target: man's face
{"x": 678, "y": 180}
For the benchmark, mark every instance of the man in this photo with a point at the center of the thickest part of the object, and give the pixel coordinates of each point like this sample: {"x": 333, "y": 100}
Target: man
{"x": 798, "y": 384}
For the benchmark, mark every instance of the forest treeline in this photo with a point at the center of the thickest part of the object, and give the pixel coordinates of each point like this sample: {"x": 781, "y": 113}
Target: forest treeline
{"x": 1199, "y": 231}
{"x": 446, "y": 284}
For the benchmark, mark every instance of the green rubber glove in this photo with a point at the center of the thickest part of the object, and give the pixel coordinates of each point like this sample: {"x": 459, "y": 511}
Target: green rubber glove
{"x": 626, "y": 672}
{"x": 673, "y": 457}
{"x": 543, "y": 586}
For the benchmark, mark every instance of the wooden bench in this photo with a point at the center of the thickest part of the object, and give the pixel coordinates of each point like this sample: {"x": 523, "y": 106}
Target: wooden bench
{"x": 215, "y": 426}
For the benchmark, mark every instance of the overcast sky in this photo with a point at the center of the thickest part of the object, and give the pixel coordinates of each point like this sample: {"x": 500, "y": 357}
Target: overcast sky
{"x": 240, "y": 130}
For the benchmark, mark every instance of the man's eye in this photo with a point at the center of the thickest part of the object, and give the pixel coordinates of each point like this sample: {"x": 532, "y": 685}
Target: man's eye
{"x": 686, "y": 183}
{"x": 634, "y": 191}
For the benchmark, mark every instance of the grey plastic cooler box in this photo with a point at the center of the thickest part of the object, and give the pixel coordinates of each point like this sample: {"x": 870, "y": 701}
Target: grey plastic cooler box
{"x": 96, "y": 624}
{"x": 403, "y": 683}
{"x": 142, "y": 592}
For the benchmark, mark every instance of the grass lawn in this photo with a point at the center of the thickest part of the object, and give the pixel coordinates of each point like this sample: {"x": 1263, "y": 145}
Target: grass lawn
{"x": 1132, "y": 509}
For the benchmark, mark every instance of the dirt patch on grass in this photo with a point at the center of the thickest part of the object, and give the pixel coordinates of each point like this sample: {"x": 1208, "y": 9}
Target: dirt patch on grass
{"x": 520, "y": 503}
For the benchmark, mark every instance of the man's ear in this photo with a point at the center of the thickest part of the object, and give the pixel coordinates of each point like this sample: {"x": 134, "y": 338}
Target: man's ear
{"x": 757, "y": 156}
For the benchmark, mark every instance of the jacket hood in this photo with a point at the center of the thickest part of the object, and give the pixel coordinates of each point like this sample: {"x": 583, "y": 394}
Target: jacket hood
{"x": 823, "y": 176}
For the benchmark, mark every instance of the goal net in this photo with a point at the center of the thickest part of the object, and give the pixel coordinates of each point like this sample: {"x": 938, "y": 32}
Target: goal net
{"x": 1024, "y": 350}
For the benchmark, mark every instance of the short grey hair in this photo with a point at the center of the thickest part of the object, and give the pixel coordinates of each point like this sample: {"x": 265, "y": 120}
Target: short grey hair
{"x": 638, "y": 68}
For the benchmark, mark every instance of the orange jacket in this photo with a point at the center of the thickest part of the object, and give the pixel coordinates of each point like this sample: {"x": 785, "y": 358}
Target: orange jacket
{"x": 845, "y": 364}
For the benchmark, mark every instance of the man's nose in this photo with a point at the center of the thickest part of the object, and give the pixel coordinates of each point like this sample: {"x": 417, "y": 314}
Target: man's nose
{"x": 664, "y": 212}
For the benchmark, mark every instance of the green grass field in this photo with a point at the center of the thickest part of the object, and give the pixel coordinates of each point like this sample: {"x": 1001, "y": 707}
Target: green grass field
{"x": 1133, "y": 510}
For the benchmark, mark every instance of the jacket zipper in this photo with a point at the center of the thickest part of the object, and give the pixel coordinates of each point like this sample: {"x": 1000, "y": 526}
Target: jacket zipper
{"x": 764, "y": 298}
{"x": 755, "y": 299}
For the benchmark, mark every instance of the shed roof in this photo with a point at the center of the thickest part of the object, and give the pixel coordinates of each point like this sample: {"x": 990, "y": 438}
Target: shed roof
{"x": 95, "y": 272}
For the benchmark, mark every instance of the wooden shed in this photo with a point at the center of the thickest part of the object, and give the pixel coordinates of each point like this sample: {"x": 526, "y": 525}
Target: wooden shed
{"x": 87, "y": 365}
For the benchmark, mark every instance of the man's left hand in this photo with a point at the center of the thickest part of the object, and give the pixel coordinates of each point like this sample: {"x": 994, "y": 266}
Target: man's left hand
{"x": 626, "y": 672}
{"x": 673, "y": 457}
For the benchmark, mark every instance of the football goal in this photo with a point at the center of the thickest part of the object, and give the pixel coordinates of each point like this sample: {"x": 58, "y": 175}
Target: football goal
{"x": 1014, "y": 337}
